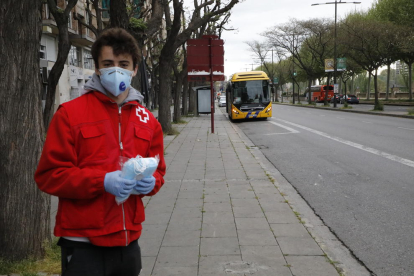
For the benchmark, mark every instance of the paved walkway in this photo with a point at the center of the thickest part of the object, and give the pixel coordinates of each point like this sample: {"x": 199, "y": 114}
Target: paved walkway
{"x": 225, "y": 210}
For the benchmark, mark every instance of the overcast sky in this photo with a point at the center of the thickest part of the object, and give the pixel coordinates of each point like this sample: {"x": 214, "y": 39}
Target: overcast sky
{"x": 252, "y": 17}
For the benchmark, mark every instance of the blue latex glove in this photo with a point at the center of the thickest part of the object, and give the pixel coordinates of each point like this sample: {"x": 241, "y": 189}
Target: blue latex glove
{"x": 117, "y": 185}
{"x": 145, "y": 185}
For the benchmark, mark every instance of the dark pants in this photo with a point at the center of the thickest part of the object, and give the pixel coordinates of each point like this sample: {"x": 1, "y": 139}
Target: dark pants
{"x": 80, "y": 259}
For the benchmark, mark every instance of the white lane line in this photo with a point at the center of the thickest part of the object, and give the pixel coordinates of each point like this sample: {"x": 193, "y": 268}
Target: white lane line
{"x": 278, "y": 133}
{"x": 395, "y": 158}
{"x": 291, "y": 130}
{"x": 406, "y": 128}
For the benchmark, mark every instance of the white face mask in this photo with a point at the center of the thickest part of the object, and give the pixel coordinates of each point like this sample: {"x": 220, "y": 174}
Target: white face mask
{"x": 115, "y": 79}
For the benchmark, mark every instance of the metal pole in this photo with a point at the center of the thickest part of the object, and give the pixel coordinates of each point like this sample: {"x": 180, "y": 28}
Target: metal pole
{"x": 293, "y": 72}
{"x": 211, "y": 86}
{"x": 335, "y": 64}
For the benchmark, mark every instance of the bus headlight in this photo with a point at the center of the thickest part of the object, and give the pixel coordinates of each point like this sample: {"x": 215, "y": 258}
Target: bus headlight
{"x": 268, "y": 110}
{"x": 235, "y": 111}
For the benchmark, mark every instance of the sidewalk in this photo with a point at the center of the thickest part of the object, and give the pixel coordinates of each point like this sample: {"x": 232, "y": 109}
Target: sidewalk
{"x": 225, "y": 210}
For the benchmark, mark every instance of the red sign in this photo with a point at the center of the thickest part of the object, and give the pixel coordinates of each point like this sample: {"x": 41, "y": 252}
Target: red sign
{"x": 205, "y": 59}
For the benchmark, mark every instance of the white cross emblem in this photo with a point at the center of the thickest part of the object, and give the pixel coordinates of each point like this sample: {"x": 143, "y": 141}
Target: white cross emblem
{"x": 142, "y": 114}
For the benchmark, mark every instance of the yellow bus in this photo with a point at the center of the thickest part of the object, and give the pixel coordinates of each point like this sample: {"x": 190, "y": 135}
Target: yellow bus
{"x": 248, "y": 96}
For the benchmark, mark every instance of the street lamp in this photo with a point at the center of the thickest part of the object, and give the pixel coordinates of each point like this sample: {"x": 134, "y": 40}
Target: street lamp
{"x": 336, "y": 9}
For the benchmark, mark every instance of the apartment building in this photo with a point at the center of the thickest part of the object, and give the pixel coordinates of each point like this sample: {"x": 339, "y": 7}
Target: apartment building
{"x": 79, "y": 66}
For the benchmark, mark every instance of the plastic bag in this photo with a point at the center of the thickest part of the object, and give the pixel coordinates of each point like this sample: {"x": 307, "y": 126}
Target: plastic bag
{"x": 137, "y": 168}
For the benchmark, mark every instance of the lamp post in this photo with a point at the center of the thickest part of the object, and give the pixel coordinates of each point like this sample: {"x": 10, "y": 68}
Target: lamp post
{"x": 335, "y": 54}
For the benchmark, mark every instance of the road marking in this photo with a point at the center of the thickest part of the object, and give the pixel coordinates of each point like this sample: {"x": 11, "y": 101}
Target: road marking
{"x": 406, "y": 128}
{"x": 395, "y": 158}
{"x": 291, "y": 130}
{"x": 276, "y": 133}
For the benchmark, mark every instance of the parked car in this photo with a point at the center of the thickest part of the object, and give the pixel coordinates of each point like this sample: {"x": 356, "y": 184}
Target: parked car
{"x": 222, "y": 101}
{"x": 338, "y": 98}
{"x": 352, "y": 99}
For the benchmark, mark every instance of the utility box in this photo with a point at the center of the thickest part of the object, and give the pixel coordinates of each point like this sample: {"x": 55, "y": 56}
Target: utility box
{"x": 203, "y": 99}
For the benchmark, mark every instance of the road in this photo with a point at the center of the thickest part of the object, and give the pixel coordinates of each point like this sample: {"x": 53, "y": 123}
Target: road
{"x": 355, "y": 170}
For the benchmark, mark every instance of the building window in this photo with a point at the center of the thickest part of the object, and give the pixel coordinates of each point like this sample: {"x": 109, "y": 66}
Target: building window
{"x": 70, "y": 23}
{"x": 87, "y": 60}
{"x": 105, "y": 8}
{"x": 42, "y": 52}
{"x": 46, "y": 12}
{"x": 87, "y": 22}
{"x": 74, "y": 56}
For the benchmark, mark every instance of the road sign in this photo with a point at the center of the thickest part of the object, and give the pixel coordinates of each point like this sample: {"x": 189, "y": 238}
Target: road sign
{"x": 329, "y": 65}
{"x": 341, "y": 64}
{"x": 205, "y": 58}
{"x": 336, "y": 88}
{"x": 275, "y": 81}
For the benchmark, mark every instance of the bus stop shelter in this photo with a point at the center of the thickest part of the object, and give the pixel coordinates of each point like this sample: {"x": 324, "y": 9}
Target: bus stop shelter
{"x": 203, "y": 99}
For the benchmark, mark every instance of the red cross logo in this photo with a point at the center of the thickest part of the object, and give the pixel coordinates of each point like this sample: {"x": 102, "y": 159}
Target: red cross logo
{"x": 142, "y": 114}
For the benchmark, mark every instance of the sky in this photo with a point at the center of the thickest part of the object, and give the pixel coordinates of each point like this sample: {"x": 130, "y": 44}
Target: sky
{"x": 252, "y": 17}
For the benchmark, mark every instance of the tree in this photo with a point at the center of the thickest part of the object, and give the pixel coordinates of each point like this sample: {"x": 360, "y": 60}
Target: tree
{"x": 305, "y": 42}
{"x": 61, "y": 16}
{"x": 367, "y": 41}
{"x": 24, "y": 209}
{"x": 400, "y": 13}
{"x": 261, "y": 50}
{"x": 177, "y": 35}
{"x": 98, "y": 13}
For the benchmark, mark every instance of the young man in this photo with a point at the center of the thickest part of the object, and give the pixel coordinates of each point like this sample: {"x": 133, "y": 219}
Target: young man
{"x": 80, "y": 164}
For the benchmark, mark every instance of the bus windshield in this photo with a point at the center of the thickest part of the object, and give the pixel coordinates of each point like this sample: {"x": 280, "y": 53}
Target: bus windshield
{"x": 254, "y": 91}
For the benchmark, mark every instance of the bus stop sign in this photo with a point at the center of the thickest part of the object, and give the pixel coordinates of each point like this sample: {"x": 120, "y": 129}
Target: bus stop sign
{"x": 205, "y": 59}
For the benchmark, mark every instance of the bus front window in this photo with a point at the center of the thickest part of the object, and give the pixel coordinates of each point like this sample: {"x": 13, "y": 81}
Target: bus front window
{"x": 256, "y": 91}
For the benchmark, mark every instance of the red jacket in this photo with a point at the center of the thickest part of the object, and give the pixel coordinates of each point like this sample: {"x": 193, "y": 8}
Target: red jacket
{"x": 82, "y": 145}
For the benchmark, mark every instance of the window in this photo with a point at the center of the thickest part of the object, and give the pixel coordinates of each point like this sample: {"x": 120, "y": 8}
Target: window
{"x": 87, "y": 22}
{"x": 70, "y": 18}
{"x": 46, "y": 12}
{"x": 87, "y": 60}
{"x": 74, "y": 56}
{"x": 42, "y": 52}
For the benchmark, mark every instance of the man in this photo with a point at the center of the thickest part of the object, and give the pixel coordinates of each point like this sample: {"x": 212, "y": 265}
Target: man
{"x": 80, "y": 164}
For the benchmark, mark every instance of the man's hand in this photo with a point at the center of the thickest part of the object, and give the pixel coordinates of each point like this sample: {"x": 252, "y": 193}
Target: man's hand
{"x": 117, "y": 185}
{"x": 145, "y": 185}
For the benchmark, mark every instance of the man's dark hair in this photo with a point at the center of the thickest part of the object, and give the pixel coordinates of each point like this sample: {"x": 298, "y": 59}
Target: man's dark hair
{"x": 121, "y": 42}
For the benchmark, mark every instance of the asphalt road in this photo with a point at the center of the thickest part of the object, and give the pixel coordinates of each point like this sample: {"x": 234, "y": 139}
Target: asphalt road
{"x": 355, "y": 170}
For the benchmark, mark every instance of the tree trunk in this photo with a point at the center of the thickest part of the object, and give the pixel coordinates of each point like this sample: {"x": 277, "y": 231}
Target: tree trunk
{"x": 63, "y": 51}
{"x": 352, "y": 85}
{"x": 309, "y": 91}
{"x": 369, "y": 86}
{"x": 410, "y": 81}
{"x": 118, "y": 14}
{"x": 177, "y": 97}
{"x": 388, "y": 80}
{"x": 376, "y": 103}
{"x": 56, "y": 72}
{"x": 191, "y": 99}
{"x": 24, "y": 209}
{"x": 154, "y": 88}
{"x": 325, "y": 99}
{"x": 164, "y": 101}
{"x": 185, "y": 95}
